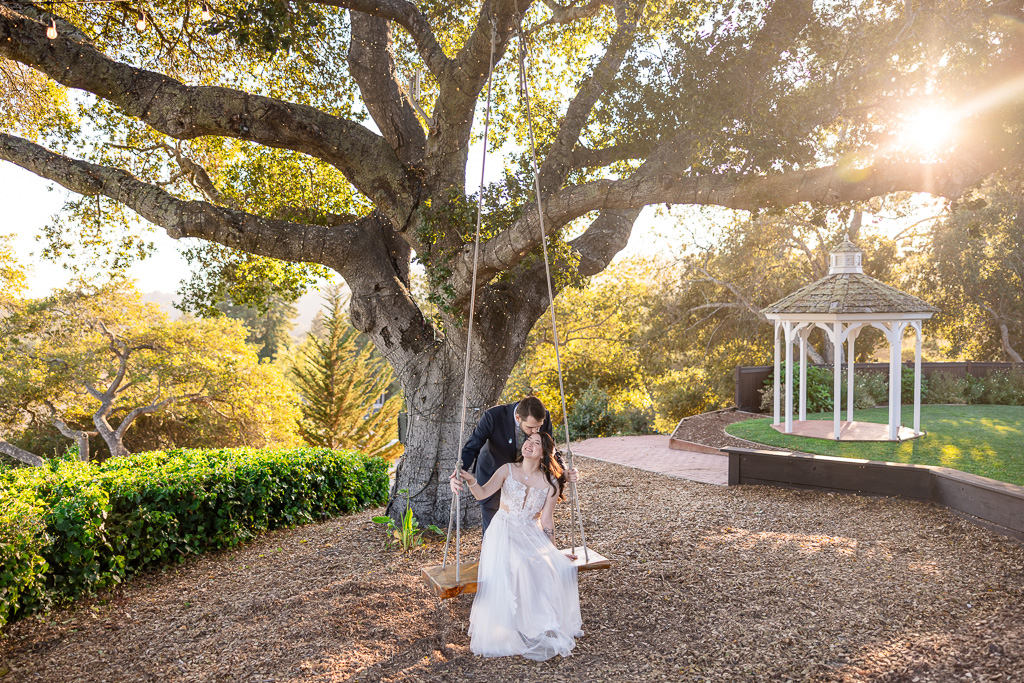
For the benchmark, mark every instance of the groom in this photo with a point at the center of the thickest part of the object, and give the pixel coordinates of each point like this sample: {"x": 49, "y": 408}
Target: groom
{"x": 495, "y": 442}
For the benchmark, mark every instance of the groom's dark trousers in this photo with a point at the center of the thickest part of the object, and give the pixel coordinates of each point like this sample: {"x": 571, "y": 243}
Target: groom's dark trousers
{"x": 491, "y": 447}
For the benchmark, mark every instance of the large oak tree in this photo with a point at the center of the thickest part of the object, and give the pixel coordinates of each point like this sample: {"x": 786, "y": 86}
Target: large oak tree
{"x": 751, "y": 105}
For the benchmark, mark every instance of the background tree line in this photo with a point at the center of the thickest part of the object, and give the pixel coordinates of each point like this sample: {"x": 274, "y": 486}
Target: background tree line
{"x": 95, "y": 371}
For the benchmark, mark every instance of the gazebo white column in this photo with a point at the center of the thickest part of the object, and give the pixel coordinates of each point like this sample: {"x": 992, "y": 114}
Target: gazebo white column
{"x": 778, "y": 378}
{"x": 837, "y": 379}
{"x": 917, "y": 377}
{"x": 851, "y": 336}
{"x": 803, "y": 372}
{"x": 788, "y": 329}
{"x": 895, "y": 336}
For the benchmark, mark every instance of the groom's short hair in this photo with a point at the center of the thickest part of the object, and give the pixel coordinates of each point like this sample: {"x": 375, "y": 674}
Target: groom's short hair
{"x": 531, "y": 406}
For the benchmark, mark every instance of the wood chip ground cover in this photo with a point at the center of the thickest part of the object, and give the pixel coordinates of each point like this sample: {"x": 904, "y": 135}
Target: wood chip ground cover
{"x": 708, "y": 429}
{"x": 709, "y": 584}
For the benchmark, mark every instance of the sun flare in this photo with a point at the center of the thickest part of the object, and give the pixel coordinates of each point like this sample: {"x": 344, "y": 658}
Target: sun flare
{"x": 929, "y": 130}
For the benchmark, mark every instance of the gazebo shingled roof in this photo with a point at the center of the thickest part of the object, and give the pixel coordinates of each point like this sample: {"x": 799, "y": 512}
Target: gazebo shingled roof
{"x": 846, "y": 246}
{"x": 849, "y": 293}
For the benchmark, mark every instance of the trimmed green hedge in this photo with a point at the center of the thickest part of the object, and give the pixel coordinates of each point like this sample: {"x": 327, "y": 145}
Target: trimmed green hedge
{"x": 70, "y": 528}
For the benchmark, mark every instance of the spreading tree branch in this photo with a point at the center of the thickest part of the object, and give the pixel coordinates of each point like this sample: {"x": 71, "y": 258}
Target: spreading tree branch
{"x": 585, "y": 157}
{"x": 746, "y": 192}
{"x": 605, "y": 237}
{"x": 80, "y": 437}
{"x": 1004, "y": 334}
{"x": 147, "y": 410}
{"x": 187, "y": 112}
{"x": 408, "y": 16}
{"x": 331, "y": 246}
{"x": 20, "y": 454}
{"x": 371, "y": 61}
{"x": 459, "y": 89}
{"x": 568, "y": 14}
{"x": 558, "y": 163}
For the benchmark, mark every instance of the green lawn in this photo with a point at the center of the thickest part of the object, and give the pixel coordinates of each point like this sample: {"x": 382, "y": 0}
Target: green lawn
{"x": 983, "y": 440}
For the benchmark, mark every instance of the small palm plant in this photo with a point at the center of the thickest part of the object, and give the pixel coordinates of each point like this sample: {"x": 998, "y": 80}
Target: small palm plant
{"x": 408, "y": 535}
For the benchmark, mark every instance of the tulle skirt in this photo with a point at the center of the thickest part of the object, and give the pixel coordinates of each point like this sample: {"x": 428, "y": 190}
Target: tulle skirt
{"x": 527, "y": 601}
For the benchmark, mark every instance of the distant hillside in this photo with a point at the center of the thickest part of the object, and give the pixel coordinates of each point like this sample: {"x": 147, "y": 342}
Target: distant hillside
{"x": 307, "y": 307}
{"x": 165, "y": 301}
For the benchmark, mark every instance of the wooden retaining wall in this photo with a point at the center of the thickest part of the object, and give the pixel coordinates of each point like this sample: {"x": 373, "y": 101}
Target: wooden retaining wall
{"x": 986, "y": 502}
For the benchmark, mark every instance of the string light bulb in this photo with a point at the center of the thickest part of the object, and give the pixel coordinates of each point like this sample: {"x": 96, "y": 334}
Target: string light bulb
{"x": 141, "y": 23}
{"x": 51, "y": 30}
{"x": 206, "y": 12}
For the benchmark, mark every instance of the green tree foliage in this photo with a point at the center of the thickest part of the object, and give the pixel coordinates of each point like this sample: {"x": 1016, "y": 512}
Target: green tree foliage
{"x": 223, "y": 277}
{"x": 269, "y": 329}
{"x": 972, "y": 268}
{"x": 599, "y": 342}
{"x": 94, "y": 359}
{"x": 340, "y": 379}
{"x": 12, "y": 276}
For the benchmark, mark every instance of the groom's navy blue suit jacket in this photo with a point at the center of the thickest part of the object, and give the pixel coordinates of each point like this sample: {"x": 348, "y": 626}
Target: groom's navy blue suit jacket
{"x": 493, "y": 443}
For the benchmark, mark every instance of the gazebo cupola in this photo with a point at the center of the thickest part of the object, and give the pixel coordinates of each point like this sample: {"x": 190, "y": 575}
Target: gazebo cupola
{"x": 846, "y": 258}
{"x": 841, "y": 304}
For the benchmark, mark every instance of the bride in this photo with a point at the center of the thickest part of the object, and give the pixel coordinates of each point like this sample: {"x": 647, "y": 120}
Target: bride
{"x": 527, "y": 601}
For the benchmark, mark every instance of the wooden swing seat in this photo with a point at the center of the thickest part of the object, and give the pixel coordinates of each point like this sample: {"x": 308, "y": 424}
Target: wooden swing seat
{"x": 441, "y": 580}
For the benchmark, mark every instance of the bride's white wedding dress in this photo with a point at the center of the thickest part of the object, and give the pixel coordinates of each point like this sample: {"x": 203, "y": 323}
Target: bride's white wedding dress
{"x": 527, "y": 600}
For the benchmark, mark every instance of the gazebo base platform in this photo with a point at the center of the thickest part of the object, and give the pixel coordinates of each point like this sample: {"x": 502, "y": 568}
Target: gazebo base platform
{"x": 848, "y": 431}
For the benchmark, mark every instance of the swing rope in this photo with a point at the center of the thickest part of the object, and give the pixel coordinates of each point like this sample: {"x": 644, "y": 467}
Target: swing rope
{"x": 524, "y": 87}
{"x": 456, "y": 506}
{"x": 455, "y": 511}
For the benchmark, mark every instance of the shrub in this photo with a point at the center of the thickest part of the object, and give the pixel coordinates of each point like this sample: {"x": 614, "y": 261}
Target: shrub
{"x": 100, "y": 523}
{"x": 819, "y": 389}
{"x": 681, "y": 393}
{"x": 907, "y": 385}
{"x": 945, "y": 388}
{"x": 870, "y": 388}
{"x": 999, "y": 388}
{"x": 22, "y": 567}
{"x": 632, "y": 419}
{"x": 592, "y": 415}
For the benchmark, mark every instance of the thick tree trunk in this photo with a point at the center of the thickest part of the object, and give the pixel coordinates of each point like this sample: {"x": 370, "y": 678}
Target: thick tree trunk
{"x": 433, "y": 386}
{"x": 1004, "y": 336}
{"x": 112, "y": 437}
{"x": 433, "y": 443}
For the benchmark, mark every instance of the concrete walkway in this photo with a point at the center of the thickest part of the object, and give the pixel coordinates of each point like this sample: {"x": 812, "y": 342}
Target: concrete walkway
{"x": 652, "y": 453}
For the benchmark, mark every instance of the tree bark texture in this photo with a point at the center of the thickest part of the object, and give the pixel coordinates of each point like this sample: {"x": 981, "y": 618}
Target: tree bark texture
{"x": 20, "y": 454}
{"x": 79, "y": 436}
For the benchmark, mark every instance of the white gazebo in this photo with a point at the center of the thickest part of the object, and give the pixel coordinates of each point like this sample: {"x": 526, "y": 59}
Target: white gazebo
{"x": 841, "y": 304}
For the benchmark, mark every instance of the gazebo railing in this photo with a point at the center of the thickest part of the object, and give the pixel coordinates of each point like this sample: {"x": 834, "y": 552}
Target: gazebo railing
{"x": 750, "y": 379}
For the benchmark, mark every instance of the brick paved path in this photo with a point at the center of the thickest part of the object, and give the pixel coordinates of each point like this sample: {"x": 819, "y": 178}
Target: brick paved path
{"x": 652, "y": 453}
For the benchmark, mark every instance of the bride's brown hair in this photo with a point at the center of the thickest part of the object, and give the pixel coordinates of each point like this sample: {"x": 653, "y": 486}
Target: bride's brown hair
{"x": 549, "y": 464}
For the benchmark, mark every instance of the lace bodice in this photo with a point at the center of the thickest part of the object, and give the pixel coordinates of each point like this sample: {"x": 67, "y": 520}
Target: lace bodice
{"x": 520, "y": 502}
